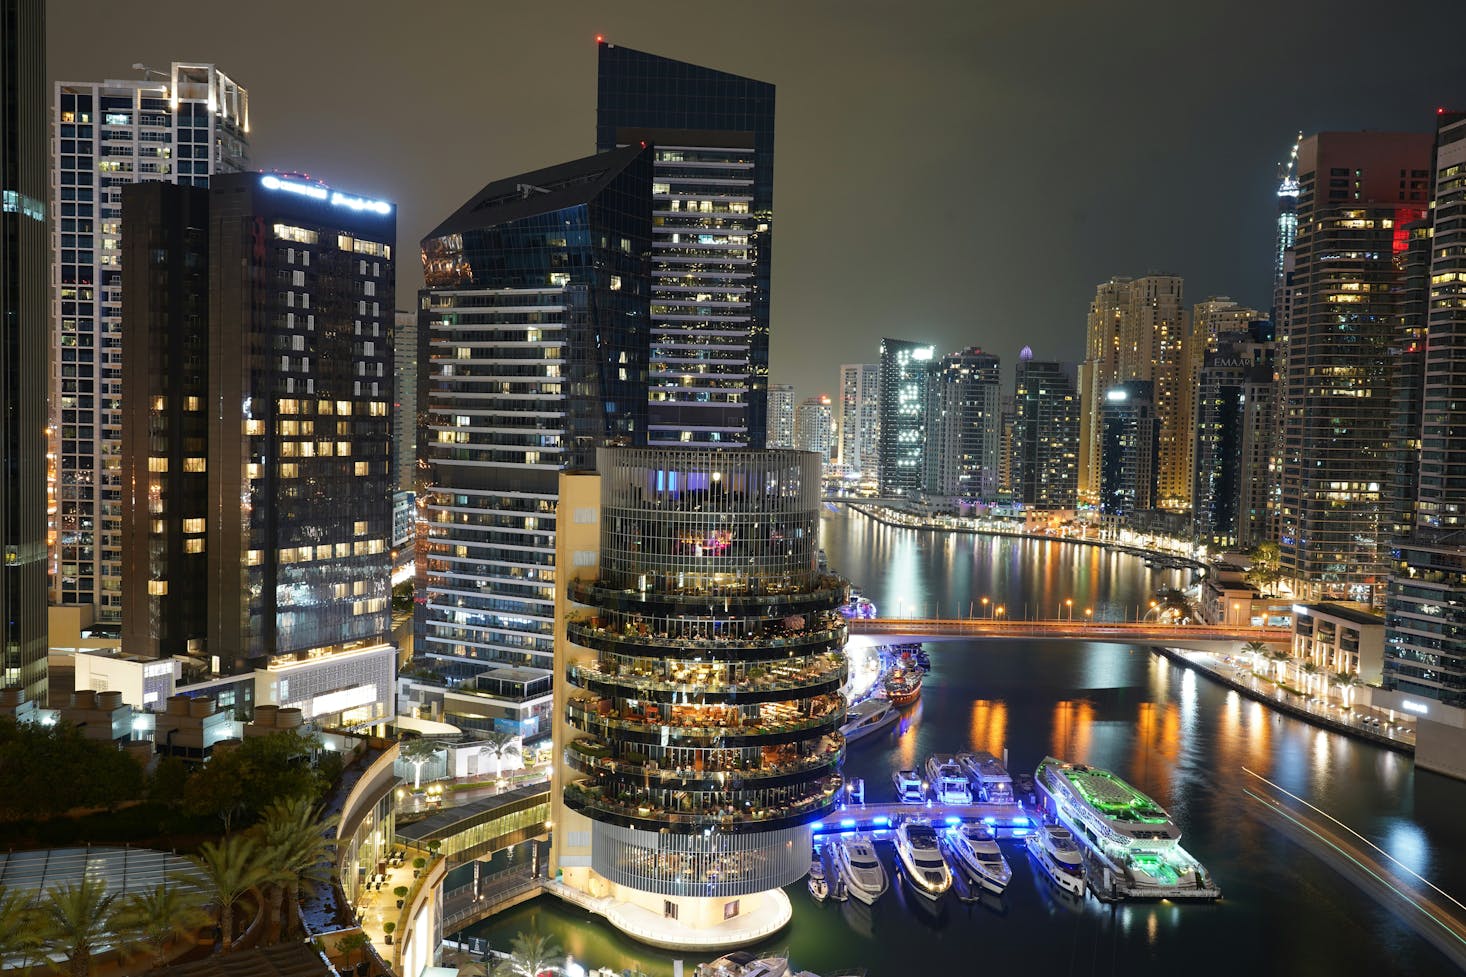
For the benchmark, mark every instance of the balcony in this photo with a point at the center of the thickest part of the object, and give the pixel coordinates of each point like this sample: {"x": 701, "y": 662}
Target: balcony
{"x": 700, "y": 683}
{"x": 756, "y": 598}
{"x": 592, "y": 757}
{"x": 599, "y": 717}
{"x": 628, "y": 812}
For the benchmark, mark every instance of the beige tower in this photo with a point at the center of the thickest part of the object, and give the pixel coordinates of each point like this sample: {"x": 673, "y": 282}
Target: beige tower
{"x": 1138, "y": 331}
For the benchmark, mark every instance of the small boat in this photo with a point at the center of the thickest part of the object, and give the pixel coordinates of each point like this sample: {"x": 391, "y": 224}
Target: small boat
{"x": 903, "y": 686}
{"x": 818, "y": 886}
{"x": 741, "y": 963}
{"x": 865, "y": 877}
{"x": 1057, "y": 852}
{"x": 867, "y": 717}
{"x": 1023, "y": 783}
{"x": 908, "y": 786}
{"x": 978, "y": 853}
{"x": 989, "y": 779}
{"x": 948, "y": 782}
{"x": 921, "y": 857}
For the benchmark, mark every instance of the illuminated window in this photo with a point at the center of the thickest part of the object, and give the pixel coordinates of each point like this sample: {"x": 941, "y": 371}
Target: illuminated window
{"x": 254, "y": 558}
{"x": 301, "y": 235}
{"x": 156, "y": 464}
{"x": 195, "y": 465}
{"x": 254, "y": 427}
{"x": 195, "y": 545}
{"x": 362, "y": 468}
{"x": 193, "y": 526}
{"x": 158, "y": 588}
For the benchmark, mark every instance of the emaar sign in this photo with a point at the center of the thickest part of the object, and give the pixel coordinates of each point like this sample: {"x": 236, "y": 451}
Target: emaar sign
{"x": 334, "y": 197}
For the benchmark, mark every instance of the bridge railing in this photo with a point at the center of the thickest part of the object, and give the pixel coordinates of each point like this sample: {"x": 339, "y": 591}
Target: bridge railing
{"x": 1063, "y": 628}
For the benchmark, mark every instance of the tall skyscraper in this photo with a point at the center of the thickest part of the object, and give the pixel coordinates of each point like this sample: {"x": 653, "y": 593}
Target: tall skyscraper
{"x": 698, "y": 738}
{"x": 859, "y": 417}
{"x": 404, "y": 406}
{"x": 1137, "y": 330}
{"x": 905, "y": 389}
{"x": 814, "y": 427}
{"x": 23, "y": 332}
{"x": 1284, "y": 261}
{"x": 712, "y": 135}
{"x": 1425, "y": 611}
{"x": 1045, "y": 434}
{"x": 182, "y": 127}
{"x": 1357, "y": 193}
{"x": 781, "y": 415}
{"x": 536, "y": 302}
{"x": 964, "y": 443}
{"x": 1129, "y": 448}
{"x": 257, "y": 423}
{"x": 1235, "y": 419}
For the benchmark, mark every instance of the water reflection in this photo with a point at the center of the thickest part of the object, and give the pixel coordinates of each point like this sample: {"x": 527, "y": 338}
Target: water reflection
{"x": 989, "y": 730}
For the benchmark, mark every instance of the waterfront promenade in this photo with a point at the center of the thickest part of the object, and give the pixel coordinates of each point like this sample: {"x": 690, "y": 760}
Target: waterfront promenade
{"x": 1318, "y": 710}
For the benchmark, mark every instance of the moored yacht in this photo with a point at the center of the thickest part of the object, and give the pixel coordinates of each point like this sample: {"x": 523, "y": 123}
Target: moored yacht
{"x": 978, "y": 852}
{"x": 865, "y": 877}
{"x": 741, "y": 963}
{"x": 818, "y": 886}
{"x": 947, "y": 781}
{"x": 1133, "y": 835}
{"x": 867, "y": 717}
{"x": 921, "y": 857}
{"x": 903, "y": 686}
{"x": 908, "y": 786}
{"x": 1055, "y": 849}
{"x": 989, "y": 778}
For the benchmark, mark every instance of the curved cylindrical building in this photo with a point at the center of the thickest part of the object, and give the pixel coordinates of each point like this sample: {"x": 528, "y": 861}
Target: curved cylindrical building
{"x": 704, "y": 667}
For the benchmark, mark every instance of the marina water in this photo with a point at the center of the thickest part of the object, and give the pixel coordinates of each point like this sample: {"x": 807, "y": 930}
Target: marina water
{"x": 1169, "y": 731}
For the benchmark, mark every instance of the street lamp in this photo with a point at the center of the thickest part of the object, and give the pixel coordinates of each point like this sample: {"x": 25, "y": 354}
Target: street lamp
{"x": 1069, "y": 603}
{"x": 998, "y": 611}
{"x": 984, "y": 603}
{"x": 1088, "y": 614}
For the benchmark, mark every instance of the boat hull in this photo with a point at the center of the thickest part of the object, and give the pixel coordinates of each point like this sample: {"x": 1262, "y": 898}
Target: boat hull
{"x": 1072, "y": 884}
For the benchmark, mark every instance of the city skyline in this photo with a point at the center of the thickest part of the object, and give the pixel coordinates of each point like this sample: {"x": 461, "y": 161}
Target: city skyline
{"x": 1135, "y": 213}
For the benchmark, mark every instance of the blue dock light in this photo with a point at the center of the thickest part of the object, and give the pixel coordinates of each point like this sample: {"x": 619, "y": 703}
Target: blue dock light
{"x": 989, "y": 820}
{"x": 882, "y": 820}
{"x": 1021, "y": 822}
{"x": 847, "y": 822}
{"x": 818, "y": 827}
{"x": 953, "y": 819}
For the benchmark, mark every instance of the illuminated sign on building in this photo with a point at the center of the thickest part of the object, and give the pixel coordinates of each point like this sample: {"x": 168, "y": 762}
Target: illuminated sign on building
{"x": 1415, "y": 707}
{"x": 335, "y": 197}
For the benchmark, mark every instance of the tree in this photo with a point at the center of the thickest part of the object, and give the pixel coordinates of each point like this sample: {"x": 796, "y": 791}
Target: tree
{"x": 350, "y": 943}
{"x": 230, "y": 868}
{"x": 77, "y": 918}
{"x": 529, "y": 956}
{"x": 1266, "y": 567}
{"x": 499, "y": 745}
{"x": 20, "y": 932}
{"x": 419, "y": 753}
{"x": 160, "y": 914}
{"x": 243, "y": 780}
{"x": 298, "y": 843}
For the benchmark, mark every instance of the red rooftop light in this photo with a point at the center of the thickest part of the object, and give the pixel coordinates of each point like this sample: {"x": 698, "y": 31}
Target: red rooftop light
{"x": 600, "y": 38}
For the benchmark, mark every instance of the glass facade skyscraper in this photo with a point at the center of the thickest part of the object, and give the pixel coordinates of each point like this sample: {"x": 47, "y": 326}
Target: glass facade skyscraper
{"x": 712, "y": 135}
{"x": 23, "y": 336}
{"x": 1045, "y": 443}
{"x": 905, "y": 384}
{"x": 180, "y": 128}
{"x": 964, "y": 442}
{"x": 535, "y": 310}
{"x": 1129, "y": 443}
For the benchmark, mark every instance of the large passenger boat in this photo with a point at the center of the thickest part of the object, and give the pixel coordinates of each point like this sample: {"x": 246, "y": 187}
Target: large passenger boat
{"x": 1134, "y": 836}
{"x": 903, "y": 686}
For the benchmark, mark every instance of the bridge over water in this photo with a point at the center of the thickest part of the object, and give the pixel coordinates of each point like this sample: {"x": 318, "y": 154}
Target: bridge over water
{"x": 1122, "y": 632}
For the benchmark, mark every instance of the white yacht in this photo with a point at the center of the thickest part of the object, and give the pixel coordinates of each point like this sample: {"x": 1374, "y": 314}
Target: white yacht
{"x": 1056, "y": 850}
{"x": 908, "y": 786}
{"x": 948, "y": 782}
{"x": 989, "y": 778}
{"x": 1132, "y": 834}
{"x": 741, "y": 963}
{"x": 980, "y": 856}
{"x": 921, "y": 857}
{"x": 865, "y": 877}
{"x": 867, "y": 717}
{"x": 818, "y": 887}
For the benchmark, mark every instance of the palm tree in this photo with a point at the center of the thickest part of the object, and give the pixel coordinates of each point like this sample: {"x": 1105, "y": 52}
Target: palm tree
{"x": 1348, "y": 681}
{"x": 20, "y": 936}
{"x": 162, "y": 913}
{"x": 419, "y": 753}
{"x": 530, "y": 955}
{"x": 499, "y": 745}
{"x": 299, "y": 845}
{"x": 230, "y": 868}
{"x": 78, "y": 918}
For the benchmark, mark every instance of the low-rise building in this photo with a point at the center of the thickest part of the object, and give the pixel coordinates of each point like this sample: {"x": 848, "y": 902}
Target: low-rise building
{"x": 1340, "y": 639}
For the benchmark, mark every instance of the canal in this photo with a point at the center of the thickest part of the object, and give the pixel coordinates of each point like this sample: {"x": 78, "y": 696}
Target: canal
{"x": 1168, "y": 730}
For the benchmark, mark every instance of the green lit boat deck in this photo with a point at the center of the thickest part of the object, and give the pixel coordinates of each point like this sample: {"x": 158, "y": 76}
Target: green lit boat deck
{"x": 1114, "y": 798}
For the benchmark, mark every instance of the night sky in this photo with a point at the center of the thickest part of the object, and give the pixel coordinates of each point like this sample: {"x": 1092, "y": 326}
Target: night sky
{"x": 961, "y": 173}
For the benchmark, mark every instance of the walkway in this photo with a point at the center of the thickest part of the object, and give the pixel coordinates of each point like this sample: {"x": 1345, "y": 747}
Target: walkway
{"x": 378, "y": 904}
{"x": 1235, "y": 673}
{"x": 1141, "y": 632}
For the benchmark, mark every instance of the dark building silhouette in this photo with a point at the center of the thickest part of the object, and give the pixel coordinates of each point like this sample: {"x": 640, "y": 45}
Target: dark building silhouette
{"x": 1045, "y": 442}
{"x": 712, "y": 135}
{"x": 1129, "y": 440}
